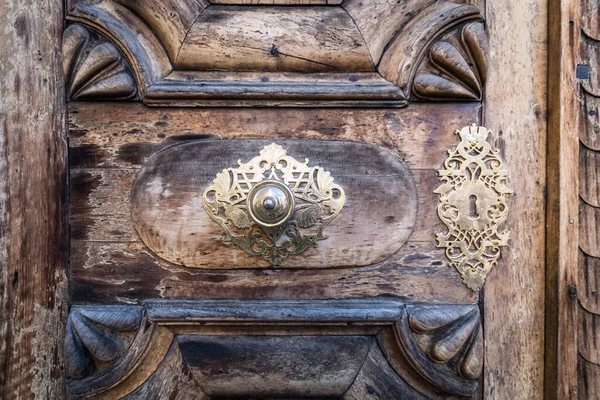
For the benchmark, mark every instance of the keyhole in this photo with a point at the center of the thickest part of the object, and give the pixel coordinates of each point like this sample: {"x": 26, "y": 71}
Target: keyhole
{"x": 473, "y": 207}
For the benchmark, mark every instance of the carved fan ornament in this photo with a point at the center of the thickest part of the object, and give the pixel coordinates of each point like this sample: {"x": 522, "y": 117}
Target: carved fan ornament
{"x": 273, "y": 206}
{"x": 450, "y": 336}
{"x": 98, "y": 337}
{"x": 473, "y": 205}
{"x": 94, "y": 68}
{"x": 455, "y": 67}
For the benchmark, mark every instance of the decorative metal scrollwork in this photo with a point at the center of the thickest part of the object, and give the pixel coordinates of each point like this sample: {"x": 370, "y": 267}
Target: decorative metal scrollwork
{"x": 273, "y": 206}
{"x": 473, "y": 206}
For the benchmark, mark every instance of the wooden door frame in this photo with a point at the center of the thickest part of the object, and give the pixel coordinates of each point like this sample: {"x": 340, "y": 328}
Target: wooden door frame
{"x": 33, "y": 228}
{"x": 562, "y": 203}
{"x": 33, "y": 201}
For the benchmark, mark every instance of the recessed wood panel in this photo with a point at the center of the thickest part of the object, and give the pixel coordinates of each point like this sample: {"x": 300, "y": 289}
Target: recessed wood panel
{"x": 315, "y": 39}
{"x": 377, "y": 219}
{"x": 274, "y": 366}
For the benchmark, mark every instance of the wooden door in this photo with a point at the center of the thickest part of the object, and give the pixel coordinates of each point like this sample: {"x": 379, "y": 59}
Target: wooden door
{"x": 274, "y": 199}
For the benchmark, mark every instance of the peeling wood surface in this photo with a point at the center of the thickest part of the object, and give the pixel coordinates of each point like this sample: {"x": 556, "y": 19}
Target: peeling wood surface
{"x": 420, "y": 134}
{"x": 33, "y": 224}
{"x": 515, "y": 111}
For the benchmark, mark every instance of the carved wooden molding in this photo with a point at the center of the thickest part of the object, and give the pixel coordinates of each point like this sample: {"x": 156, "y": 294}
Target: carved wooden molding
{"x": 402, "y": 351}
{"x": 94, "y": 68}
{"x": 352, "y": 54}
{"x": 455, "y": 67}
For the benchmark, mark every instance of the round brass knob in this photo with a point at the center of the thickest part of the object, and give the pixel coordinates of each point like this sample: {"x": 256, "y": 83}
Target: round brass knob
{"x": 270, "y": 203}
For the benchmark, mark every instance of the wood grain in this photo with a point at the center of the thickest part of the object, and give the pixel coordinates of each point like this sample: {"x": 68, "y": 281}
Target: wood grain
{"x": 404, "y": 53}
{"x": 247, "y": 348}
{"x": 170, "y": 20}
{"x": 128, "y": 273}
{"x": 142, "y": 49}
{"x": 94, "y": 68}
{"x": 278, "y": 2}
{"x": 274, "y": 39}
{"x": 420, "y": 134}
{"x": 172, "y": 379}
{"x": 33, "y": 199}
{"x": 516, "y": 114}
{"x": 588, "y": 312}
{"x": 589, "y": 375}
{"x": 377, "y": 218}
{"x": 274, "y": 366}
{"x": 107, "y": 154}
{"x": 380, "y": 20}
{"x": 589, "y": 283}
{"x": 589, "y": 176}
{"x": 377, "y": 380}
{"x": 274, "y": 89}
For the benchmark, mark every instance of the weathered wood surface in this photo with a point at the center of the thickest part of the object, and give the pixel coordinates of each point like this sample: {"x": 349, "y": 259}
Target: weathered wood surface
{"x": 587, "y": 314}
{"x": 455, "y": 67}
{"x": 107, "y": 154}
{"x": 515, "y": 111}
{"x": 168, "y": 44}
{"x": 169, "y": 20}
{"x": 377, "y": 380}
{"x": 445, "y": 342}
{"x": 375, "y": 222}
{"x": 405, "y": 52}
{"x": 289, "y": 89}
{"x": 380, "y": 20}
{"x": 94, "y": 67}
{"x": 101, "y": 209}
{"x": 420, "y": 134}
{"x": 171, "y": 380}
{"x": 33, "y": 223}
{"x": 307, "y": 349}
{"x": 142, "y": 49}
{"x": 274, "y": 39}
{"x": 278, "y": 2}
{"x": 589, "y": 376}
{"x": 274, "y": 366}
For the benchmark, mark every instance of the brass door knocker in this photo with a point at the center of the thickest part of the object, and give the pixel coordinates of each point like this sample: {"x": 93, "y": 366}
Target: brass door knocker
{"x": 273, "y": 206}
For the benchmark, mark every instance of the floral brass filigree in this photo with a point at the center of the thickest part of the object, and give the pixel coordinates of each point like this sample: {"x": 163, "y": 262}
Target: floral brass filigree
{"x": 473, "y": 206}
{"x": 273, "y": 206}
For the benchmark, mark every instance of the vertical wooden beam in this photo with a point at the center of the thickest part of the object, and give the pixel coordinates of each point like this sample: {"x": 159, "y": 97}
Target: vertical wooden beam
{"x": 33, "y": 234}
{"x": 516, "y": 114}
{"x": 563, "y": 201}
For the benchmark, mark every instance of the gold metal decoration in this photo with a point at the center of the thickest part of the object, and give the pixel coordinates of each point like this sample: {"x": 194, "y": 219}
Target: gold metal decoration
{"x": 473, "y": 206}
{"x": 273, "y": 206}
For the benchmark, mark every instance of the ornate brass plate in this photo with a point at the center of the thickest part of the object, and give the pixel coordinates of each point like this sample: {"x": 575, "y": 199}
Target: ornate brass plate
{"x": 273, "y": 206}
{"x": 473, "y": 206}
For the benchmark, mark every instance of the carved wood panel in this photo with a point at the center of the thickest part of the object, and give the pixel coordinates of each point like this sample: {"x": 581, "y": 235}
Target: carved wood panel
{"x": 372, "y": 91}
{"x": 348, "y": 349}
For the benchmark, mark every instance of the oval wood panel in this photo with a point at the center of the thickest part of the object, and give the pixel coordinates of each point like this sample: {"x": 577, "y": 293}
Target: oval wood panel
{"x": 377, "y": 219}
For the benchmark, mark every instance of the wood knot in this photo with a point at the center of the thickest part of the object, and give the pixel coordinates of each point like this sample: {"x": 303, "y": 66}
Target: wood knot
{"x": 572, "y": 292}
